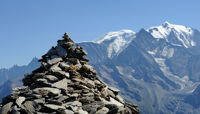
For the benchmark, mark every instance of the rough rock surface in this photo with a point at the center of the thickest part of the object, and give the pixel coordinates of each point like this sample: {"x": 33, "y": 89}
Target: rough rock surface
{"x": 65, "y": 84}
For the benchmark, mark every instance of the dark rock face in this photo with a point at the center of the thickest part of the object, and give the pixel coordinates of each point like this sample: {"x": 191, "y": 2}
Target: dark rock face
{"x": 65, "y": 84}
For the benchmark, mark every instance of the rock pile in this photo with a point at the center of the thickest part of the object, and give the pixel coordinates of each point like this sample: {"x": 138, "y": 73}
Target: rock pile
{"x": 65, "y": 84}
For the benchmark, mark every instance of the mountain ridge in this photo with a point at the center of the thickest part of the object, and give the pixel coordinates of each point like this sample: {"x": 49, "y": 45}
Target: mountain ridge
{"x": 182, "y": 37}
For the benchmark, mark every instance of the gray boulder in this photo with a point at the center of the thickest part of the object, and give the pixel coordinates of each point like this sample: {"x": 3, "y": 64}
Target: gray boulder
{"x": 6, "y": 108}
{"x": 61, "y": 51}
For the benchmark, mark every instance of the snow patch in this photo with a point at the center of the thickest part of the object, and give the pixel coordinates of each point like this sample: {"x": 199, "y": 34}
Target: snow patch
{"x": 193, "y": 43}
{"x": 185, "y": 78}
{"x": 153, "y": 53}
{"x": 125, "y": 71}
{"x": 167, "y": 52}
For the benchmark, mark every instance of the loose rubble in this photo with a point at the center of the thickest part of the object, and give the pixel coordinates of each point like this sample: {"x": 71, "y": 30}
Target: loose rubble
{"x": 65, "y": 84}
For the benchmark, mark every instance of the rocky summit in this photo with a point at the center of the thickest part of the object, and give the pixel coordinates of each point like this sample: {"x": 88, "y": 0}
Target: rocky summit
{"x": 65, "y": 84}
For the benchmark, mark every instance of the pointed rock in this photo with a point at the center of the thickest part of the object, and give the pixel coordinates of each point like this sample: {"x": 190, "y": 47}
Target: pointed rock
{"x": 20, "y": 100}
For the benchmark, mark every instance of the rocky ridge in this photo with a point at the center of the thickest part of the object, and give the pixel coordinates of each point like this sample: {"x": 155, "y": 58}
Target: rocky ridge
{"x": 65, "y": 84}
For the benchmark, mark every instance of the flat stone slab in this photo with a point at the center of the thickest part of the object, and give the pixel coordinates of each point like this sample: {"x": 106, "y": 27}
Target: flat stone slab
{"x": 31, "y": 107}
{"x": 43, "y": 82}
{"x": 18, "y": 89}
{"x": 40, "y": 101}
{"x": 82, "y": 112}
{"x": 62, "y": 98}
{"x": 54, "y": 107}
{"x": 112, "y": 102}
{"x": 64, "y": 65}
{"x": 88, "y": 67}
{"x": 69, "y": 112}
{"x": 74, "y": 103}
{"x": 62, "y": 84}
{"x": 54, "y": 59}
{"x": 47, "y": 91}
{"x": 51, "y": 78}
{"x": 62, "y": 74}
{"x": 104, "y": 110}
{"x": 114, "y": 89}
{"x": 55, "y": 68}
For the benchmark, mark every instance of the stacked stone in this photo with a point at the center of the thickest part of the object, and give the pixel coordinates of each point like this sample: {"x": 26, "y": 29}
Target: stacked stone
{"x": 65, "y": 84}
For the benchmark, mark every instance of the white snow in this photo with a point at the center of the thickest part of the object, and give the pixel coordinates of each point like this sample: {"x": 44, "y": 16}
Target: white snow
{"x": 153, "y": 53}
{"x": 113, "y": 35}
{"x": 167, "y": 52}
{"x": 183, "y": 33}
{"x": 125, "y": 70}
{"x": 121, "y": 39}
{"x": 193, "y": 43}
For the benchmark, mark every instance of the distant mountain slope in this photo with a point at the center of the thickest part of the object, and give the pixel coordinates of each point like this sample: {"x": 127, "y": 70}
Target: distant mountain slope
{"x": 6, "y": 88}
{"x": 17, "y": 71}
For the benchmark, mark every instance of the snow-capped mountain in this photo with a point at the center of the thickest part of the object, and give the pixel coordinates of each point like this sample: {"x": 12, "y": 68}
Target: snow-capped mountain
{"x": 117, "y": 40}
{"x": 115, "y": 35}
{"x": 157, "y": 68}
{"x": 175, "y": 34}
{"x": 154, "y": 61}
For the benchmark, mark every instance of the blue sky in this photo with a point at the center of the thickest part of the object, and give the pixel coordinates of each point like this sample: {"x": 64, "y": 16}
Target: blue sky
{"x": 28, "y": 28}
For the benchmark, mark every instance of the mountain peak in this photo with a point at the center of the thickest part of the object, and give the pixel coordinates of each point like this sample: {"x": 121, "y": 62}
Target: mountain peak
{"x": 142, "y": 30}
{"x": 166, "y": 24}
{"x": 113, "y": 35}
{"x": 116, "y": 41}
{"x": 182, "y": 34}
{"x": 178, "y": 28}
{"x": 34, "y": 62}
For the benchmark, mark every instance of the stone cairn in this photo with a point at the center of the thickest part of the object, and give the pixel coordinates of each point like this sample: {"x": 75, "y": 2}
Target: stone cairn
{"x": 65, "y": 84}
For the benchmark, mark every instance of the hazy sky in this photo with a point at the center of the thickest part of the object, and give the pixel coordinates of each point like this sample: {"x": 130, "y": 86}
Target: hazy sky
{"x": 28, "y": 28}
